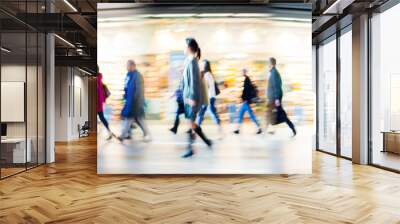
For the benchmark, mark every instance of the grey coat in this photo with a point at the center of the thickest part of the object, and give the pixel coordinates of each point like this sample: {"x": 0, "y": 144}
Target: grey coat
{"x": 274, "y": 89}
{"x": 193, "y": 87}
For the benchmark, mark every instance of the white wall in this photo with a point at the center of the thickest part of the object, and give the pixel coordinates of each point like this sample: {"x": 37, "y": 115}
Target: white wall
{"x": 61, "y": 103}
{"x": 80, "y": 98}
{"x": 16, "y": 73}
{"x": 71, "y": 102}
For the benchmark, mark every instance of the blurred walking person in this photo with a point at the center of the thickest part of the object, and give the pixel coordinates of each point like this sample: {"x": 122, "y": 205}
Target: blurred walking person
{"x": 275, "y": 112}
{"x": 212, "y": 91}
{"x": 133, "y": 110}
{"x": 248, "y": 95}
{"x": 180, "y": 109}
{"x": 193, "y": 93}
{"x": 102, "y": 94}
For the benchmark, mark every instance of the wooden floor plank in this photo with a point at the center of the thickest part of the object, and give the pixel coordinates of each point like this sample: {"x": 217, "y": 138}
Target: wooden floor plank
{"x": 70, "y": 191}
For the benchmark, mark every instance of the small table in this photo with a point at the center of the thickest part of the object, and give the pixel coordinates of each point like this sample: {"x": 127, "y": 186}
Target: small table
{"x": 18, "y": 151}
{"x": 391, "y": 141}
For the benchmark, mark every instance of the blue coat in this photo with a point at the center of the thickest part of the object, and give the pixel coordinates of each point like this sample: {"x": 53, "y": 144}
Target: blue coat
{"x": 134, "y": 96}
{"x": 274, "y": 89}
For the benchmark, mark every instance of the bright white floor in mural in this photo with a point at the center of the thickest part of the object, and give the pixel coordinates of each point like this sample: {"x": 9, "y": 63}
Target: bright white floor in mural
{"x": 246, "y": 153}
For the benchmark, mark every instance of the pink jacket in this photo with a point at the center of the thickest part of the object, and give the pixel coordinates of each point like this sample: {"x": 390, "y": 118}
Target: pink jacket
{"x": 101, "y": 98}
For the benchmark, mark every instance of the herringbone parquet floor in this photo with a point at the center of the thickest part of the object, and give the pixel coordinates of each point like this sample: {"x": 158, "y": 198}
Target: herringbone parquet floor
{"x": 70, "y": 191}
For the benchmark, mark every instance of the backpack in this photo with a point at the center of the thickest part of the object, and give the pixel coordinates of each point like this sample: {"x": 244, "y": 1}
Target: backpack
{"x": 254, "y": 93}
{"x": 107, "y": 92}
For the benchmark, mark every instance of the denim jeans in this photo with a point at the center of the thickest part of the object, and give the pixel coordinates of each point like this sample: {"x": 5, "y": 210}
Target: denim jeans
{"x": 103, "y": 119}
{"x": 213, "y": 111}
{"x": 246, "y": 108}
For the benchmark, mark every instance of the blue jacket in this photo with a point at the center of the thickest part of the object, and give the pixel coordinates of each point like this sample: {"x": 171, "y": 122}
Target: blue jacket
{"x": 274, "y": 89}
{"x": 133, "y": 96}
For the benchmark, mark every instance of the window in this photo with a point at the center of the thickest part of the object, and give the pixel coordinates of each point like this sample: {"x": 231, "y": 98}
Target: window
{"x": 327, "y": 96}
{"x": 22, "y": 98}
{"x": 346, "y": 93}
{"x": 385, "y": 89}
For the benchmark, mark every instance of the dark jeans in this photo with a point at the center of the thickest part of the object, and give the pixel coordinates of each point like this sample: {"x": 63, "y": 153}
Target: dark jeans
{"x": 179, "y": 111}
{"x": 103, "y": 119}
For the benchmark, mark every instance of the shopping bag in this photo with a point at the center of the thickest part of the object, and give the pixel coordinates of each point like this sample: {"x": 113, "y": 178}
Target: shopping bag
{"x": 278, "y": 115}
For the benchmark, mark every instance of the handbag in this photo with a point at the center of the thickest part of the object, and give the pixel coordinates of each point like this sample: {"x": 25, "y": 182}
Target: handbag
{"x": 278, "y": 115}
{"x": 107, "y": 92}
{"x": 254, "y": 94}
{"x": 217, "y": 91}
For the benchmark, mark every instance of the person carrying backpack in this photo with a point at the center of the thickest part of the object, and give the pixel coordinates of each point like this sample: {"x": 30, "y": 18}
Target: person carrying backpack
{"x": 248, "y": 95}
{"x": 102, "y": 94}
{"x": 212, "y": 90}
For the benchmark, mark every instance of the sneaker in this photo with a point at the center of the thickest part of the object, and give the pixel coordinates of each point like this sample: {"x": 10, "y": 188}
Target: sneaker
{"x": 236, "y": 132}
{"x": 259, "y": 131}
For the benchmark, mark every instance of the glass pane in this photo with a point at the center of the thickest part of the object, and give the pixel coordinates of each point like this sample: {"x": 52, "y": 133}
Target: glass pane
{"x": 31, "y": 98}
{"x": 386, "y": 89}
{"x": 13, "y": 85}
{"x": 346, "y": 94}
{"x": 41, "y": 98}
{"x": 327, "y": 97}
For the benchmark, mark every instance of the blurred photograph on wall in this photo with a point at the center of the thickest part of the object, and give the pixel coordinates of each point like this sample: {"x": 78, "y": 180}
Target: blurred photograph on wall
{"x": 205, "y": 89}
